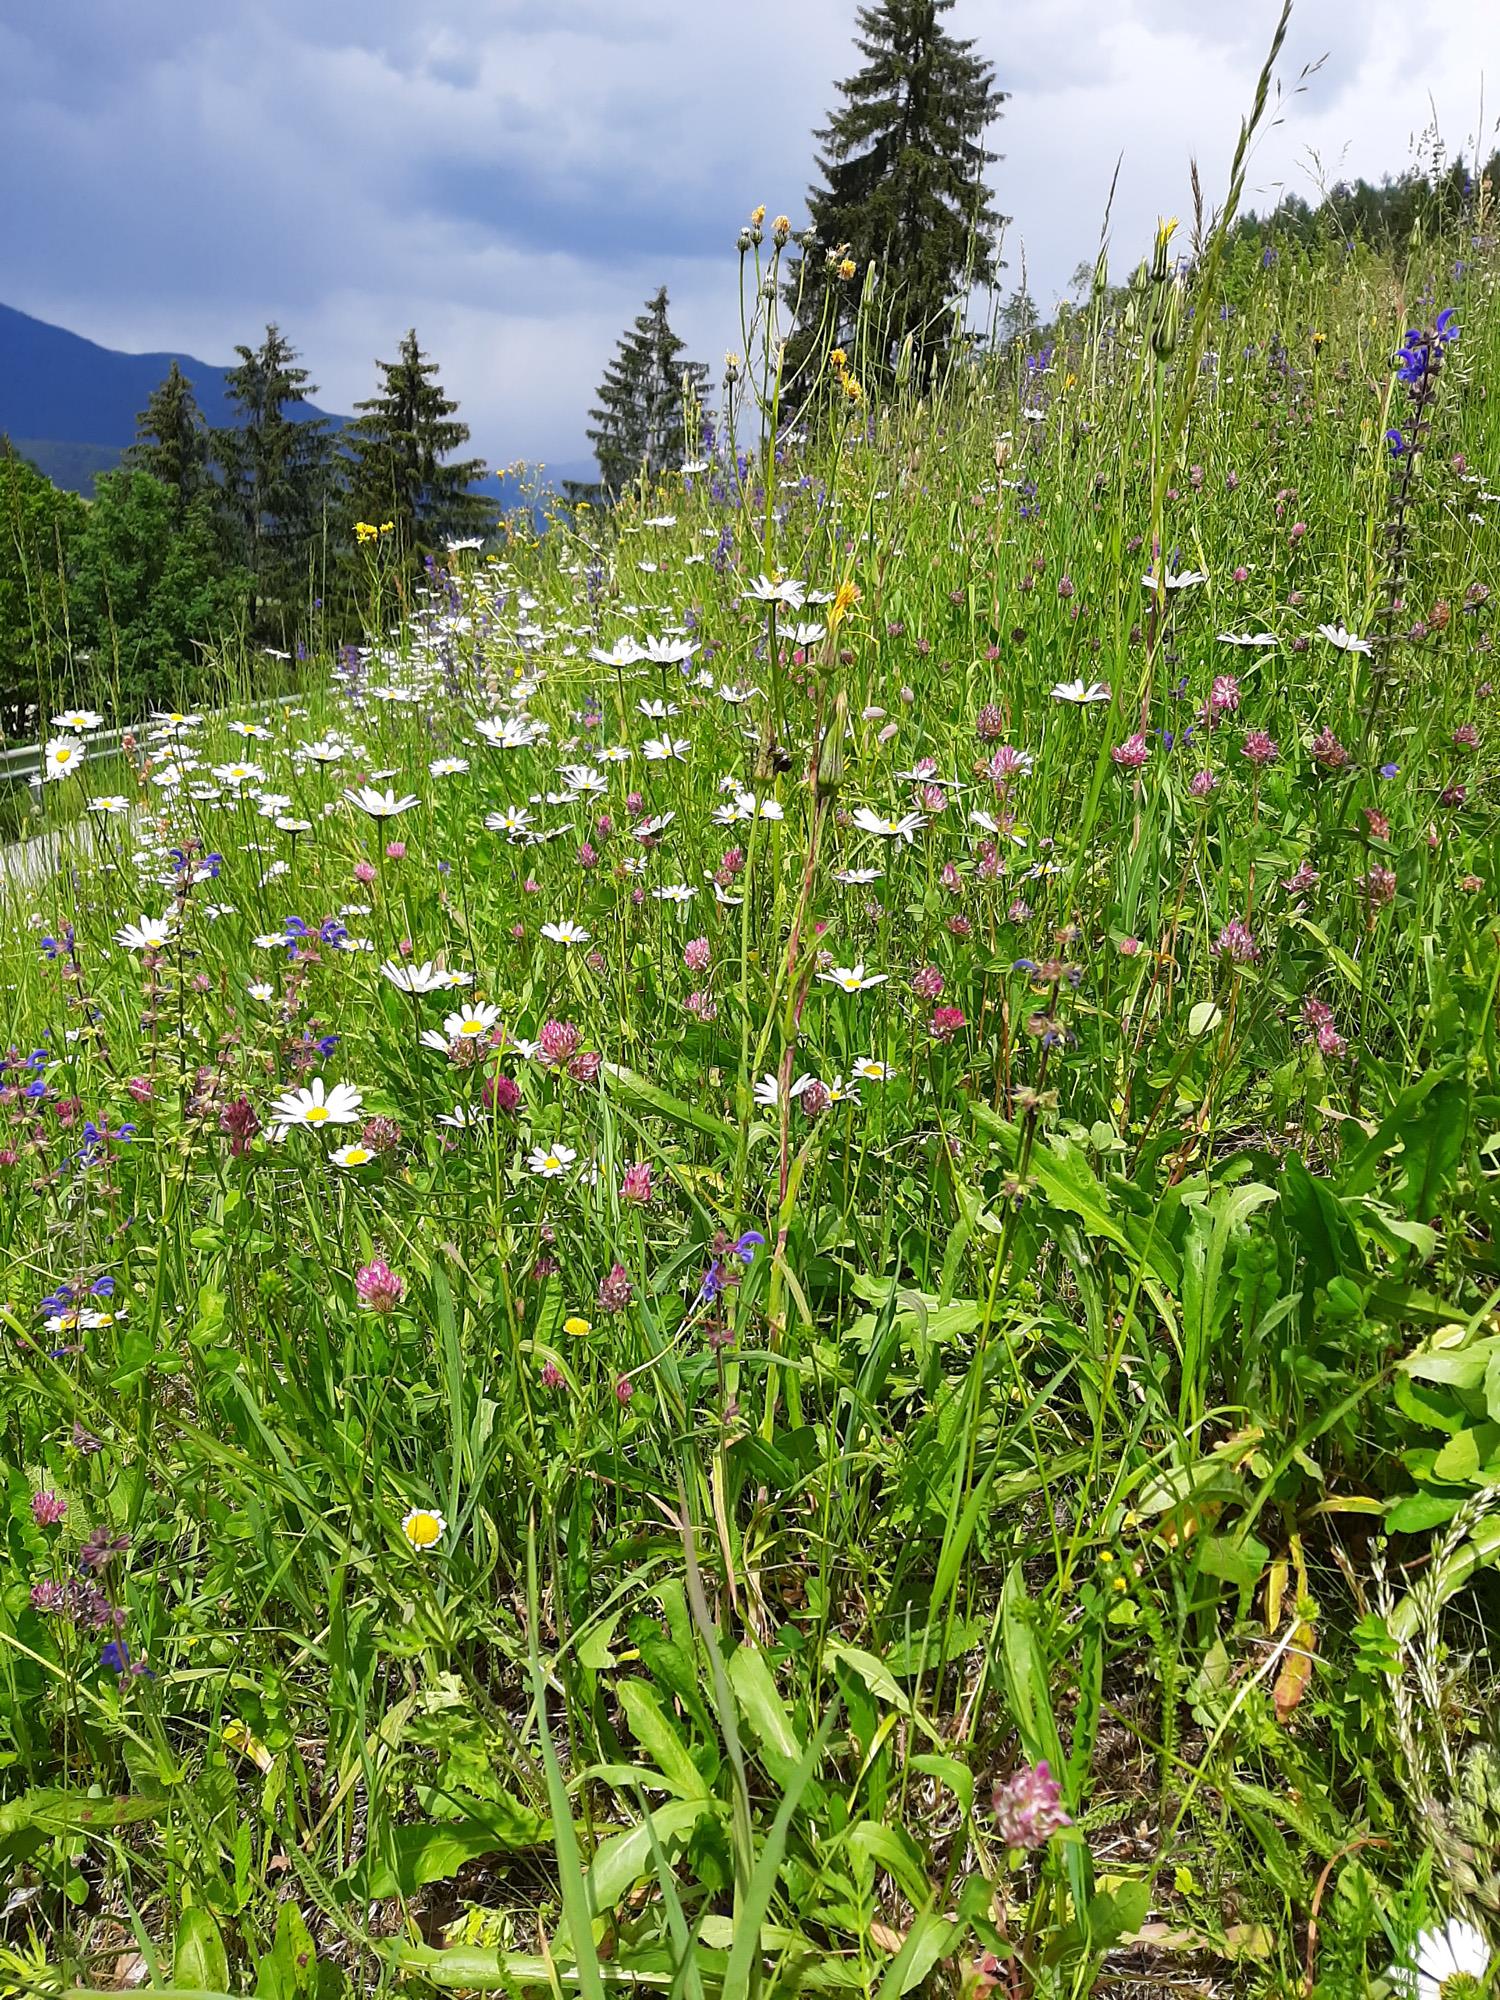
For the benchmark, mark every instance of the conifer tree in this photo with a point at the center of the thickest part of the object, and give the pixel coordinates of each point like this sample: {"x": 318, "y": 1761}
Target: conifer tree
{"x": 903, "y": 161}
{"x": 277, "y": 467}
{"x": 397, "y": 446}
{"x": 171, "y": 439}
{"x": 640, "y": 421}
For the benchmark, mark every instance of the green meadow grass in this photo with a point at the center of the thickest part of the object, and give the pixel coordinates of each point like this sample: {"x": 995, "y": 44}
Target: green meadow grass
{"x": 617, "y": 1526}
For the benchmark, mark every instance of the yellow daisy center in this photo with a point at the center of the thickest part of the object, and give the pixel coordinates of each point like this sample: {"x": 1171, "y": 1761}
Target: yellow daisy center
{"x": 316, "y": 1113}
{"x": 422, "y": 1529}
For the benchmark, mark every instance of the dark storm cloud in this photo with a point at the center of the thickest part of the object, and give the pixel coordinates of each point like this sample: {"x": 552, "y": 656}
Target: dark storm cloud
{"x": 514, "y": 178}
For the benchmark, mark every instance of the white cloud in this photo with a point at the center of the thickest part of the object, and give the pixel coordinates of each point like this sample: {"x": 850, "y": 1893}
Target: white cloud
{"x": 514, "y": 180}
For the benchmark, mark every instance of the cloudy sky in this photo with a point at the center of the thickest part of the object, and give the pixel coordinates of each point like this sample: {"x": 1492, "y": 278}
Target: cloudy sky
{"x": 515, "y": 176}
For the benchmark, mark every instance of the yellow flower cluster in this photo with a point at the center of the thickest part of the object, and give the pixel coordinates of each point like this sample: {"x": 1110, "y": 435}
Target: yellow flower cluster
{"x": 848, "y": 381}
{"x": 366, "y": 531}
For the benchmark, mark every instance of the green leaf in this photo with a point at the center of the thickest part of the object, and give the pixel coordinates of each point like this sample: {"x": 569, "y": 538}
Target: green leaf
{"x": 198, "y": 1955}
{"x": 1117, "y": 1913}
{"x": 654, "y": 1732}
{"x": 411, "y": 1856}
{"x": 622, "y": 1860}
{"x": 644, "y": 1095}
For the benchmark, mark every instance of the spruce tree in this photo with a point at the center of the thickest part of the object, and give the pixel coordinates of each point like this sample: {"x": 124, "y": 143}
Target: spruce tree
{"x": 277, "y": 468}
{"x": 640, "y": 422}
{"x": 171, "y": 439}
{"x": 903, "y": 162}
{"x": 396, "y": 451}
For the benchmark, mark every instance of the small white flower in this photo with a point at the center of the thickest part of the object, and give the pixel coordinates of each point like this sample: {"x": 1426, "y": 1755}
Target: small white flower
{"x": 514, "y": 820}
{"x": 260, "y": 989}
{"x": 148, "y": 935}
{"x": 354, "y": 1155}
{"x": 75, "y": 720}
{"x": 1080, "y": 691}
{"x": 448, "y": 767}
{"x": 857, "y": 878}
{"x": 548, "y": 1162}
{"x": 675, "y": 892}
{"x": 623, "y": 653}
{"x": 888, "y": 826}
{"x": 1247, "y": 638}
{"x": 1181, "y": 579}
{"x": 853, "y": 978}
{"x": 473, "y": 1021}
{"x": 423, "y": 978}
{"x": 380, "y": 805}
{"x": 1345, "y": 641}
{"x": 249, "y": 729}
{"x": 317, "y": 1105}
{"x": 662, "y": 749}
{"x": 110, "y": 802}
{"x": 567, "y": 932}
{"x": 787, "y": 592}
{"x": 1456, "y": 1952}
{"x": 870, "y": 1070}
{"x": 64, "y": 756}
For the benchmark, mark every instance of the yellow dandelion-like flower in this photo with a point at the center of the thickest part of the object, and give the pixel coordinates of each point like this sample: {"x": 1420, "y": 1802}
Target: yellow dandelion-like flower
{"x": 366, "y": 531}
{"x": 838, "y": 358}
{"x": 757, "y": 215}
{"x": 576, "y": 1325}
{"x": 240, "y": 1738}
{"x": 847, "y": 268}
{"x": 844, "y": 600}
{"x": 424, "y": 1529}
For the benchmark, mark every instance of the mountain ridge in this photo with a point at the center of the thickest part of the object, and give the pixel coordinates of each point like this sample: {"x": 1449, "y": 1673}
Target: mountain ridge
{"x": 70, "y": 404}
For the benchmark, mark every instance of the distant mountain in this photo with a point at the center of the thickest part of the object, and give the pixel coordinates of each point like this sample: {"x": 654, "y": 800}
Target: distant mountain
{"x": 70, "y": 405}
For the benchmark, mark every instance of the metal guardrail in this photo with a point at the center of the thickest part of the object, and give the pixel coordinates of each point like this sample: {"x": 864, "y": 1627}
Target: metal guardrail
{"x": 25, "y": 762}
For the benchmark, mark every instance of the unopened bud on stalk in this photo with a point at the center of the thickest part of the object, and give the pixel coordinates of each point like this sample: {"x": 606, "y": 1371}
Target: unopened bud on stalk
{"x": 1165, "y": 231}
{"x": 1168, "y": 322}
{"x": 830, "y": 772}
{"x": 1002, "y": 453}
{"x": 1101, "y": 273}
{"x": 903, "y": 363}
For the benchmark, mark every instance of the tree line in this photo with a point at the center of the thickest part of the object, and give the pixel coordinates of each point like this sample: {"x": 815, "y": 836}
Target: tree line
{"x": 250, "y": 527}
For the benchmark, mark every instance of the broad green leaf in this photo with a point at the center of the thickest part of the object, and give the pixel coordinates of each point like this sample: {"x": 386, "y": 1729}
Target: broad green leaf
{"x": 198, "y": 1955}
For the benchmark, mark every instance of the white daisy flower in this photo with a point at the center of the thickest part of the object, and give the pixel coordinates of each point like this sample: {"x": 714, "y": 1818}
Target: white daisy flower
{"x": 317, "y": 1105}
{"x": 1179, "y": 579}
{"x": 869, "y": 1070}
{"x": 548, "y": 1162}
{"x": 353, "y": 1155}
{"x": 448, "y": 767}
{"x": 567, "y": 932}
{"x": 514, "y": 820}
{"x": 1247, "y": 638}
{"x": 662, "y": 749}
{"x": 423, "y": 978}
{"x": 380, "y": 805}
{"x": 1446, "y": 1961}
{"x": 64, "y": 754}
{"x": 853, "y": 978}
{"x": 857, "y": 878}
{"x": 148, "y": 935}
{"x": 110, "y": 802}
{"x": 1345, "y": 641}
{"x": 260, "y": 989}
{"x": 1081, "y": 692}
{"x": 74, "y": 721}
{"x": 888, "y": 826}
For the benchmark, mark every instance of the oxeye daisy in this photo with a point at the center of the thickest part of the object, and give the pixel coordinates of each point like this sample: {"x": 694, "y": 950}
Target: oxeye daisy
{"x": 318, "y": 1105}
{"x": 889, "y": 826}
{"x": 1452, "y": 1963}
{"x": 424, "y": 978}
{"x": 74, "y": 721}
{"x": 150, "y": 934}
{"x": 853, "y": 978}
{"x": 380, "y": 805}
{"x": 448, "y": 767}
{"x": 354, "y": 1155}
{"x": 63, "y": 756}
{"x": 260, "y": 989}
{"x": 567, "y": 932}
{"x": 548, "y": 1162}
{"x": 423, "y": 1528}
{"x": 869, "y": 1070}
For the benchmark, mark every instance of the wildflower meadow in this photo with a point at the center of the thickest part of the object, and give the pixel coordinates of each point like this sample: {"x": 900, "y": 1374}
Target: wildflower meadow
{"x": 761, "y": 1257}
